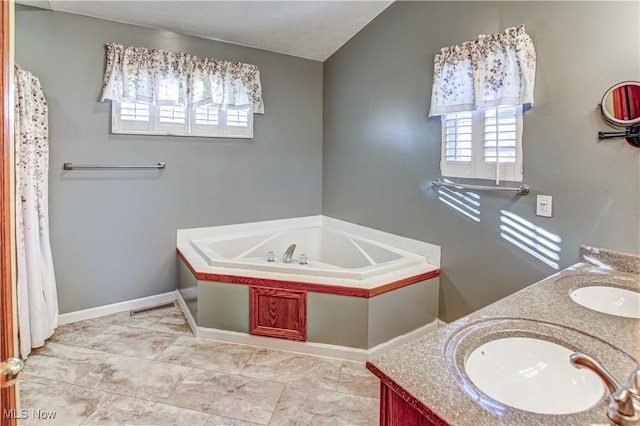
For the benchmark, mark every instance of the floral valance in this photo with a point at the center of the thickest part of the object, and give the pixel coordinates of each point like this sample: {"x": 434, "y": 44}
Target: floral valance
{"x": 136, "y": 74}
{"x": 496, "y": 69}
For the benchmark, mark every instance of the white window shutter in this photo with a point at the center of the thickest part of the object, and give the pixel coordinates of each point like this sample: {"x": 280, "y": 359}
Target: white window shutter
{"x": 171, "y": 120}
{"x": 483, "y": 144}
{"x": 457, "y": 145}
{"x": 133, "y": 116}
{"x": 207, "y": 116}
{"x": 502, "y": 144}
{"x": 130, "y": 111}
{"x": 204, "y": 121}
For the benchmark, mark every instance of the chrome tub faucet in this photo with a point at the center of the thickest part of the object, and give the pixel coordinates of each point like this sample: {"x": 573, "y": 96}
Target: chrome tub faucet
{"x": 624, "y": 401}
{"x": 288, "y": 254}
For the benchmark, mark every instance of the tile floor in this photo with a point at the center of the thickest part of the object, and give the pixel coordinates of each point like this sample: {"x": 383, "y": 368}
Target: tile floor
{"x": 149, "y": 369}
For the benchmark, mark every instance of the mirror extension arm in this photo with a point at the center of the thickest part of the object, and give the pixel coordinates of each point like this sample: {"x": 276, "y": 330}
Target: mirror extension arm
{"x": 629, "y": 132}
{"x": 632, "y": 134}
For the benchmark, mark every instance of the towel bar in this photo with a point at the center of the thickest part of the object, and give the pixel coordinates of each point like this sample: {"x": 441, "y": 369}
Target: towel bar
{"x": 70, "y": 166}
{"x": 520, "y": 190}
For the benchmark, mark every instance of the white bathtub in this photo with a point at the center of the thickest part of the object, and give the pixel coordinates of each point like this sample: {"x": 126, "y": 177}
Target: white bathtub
{"x": 330, "y": 253}
{"x": 338, "y": 252}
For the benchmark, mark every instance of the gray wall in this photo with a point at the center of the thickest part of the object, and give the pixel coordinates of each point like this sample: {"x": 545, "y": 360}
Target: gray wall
{"x": 113, "y": 233}
{"x": 381, "y": 151}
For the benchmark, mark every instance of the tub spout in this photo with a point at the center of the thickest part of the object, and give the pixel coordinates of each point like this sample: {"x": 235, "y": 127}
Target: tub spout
{"x": 288, "y": 254}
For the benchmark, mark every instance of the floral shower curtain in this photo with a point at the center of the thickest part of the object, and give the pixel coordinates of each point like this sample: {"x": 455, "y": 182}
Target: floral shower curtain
{"x": 37, "y": 295}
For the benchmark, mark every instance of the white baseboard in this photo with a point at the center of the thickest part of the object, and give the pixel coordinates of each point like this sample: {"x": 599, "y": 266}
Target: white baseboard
{"x": 385, "y": 347}
{"x": 187, "y": 313}
{"x": 441, "y": 323}
{"x": 309, "y": 348}
{"x": 116, "y": 307}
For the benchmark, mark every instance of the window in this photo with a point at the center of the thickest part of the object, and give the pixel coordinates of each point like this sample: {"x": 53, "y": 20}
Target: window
{"x": 483, "y": 144}
{"x": 205, "y": 121}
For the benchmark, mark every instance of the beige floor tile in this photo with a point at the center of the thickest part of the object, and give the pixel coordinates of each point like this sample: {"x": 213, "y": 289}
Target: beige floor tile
{"x": 227, "y": 395}
{"x": 47, "y": 402}
{"x": 289, "y": 367}
{"x": 82, "y": 333}
{"x": 141, "y": 320}
{"x": 306, "y": 406}
{"x": 148, "y": 369}
{"x": 226, "y": 421}
{"x": 144, "y": 320}
{"x": 119, "y": 410}
{"x": 63, "y": 363}
{"x": 207, "y": 354}
{"x": 132, "y": 341}
{"x": 173, "y": 322}
{"x": 136, "y": 377}
{"x": 357, "y": 380}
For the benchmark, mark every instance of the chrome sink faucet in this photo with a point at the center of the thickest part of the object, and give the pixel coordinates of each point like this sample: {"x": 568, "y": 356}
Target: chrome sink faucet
{"x": 624, "y": 401}
{"x": 288, "y": 254}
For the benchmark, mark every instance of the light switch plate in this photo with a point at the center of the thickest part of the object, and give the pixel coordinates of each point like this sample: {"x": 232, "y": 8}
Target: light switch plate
{"x": 544, "y": 205}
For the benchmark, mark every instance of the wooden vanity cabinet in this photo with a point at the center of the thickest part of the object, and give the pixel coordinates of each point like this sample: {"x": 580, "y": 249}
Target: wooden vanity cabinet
{"x": 399, "y": 408}
{"x": 395, "y": 411}
{"x": 278, "y": 313}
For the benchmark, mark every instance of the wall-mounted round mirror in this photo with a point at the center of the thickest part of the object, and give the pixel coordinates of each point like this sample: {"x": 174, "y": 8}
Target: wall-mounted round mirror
{"x": 620, "y": 104}
{"x": 620, "y": 107}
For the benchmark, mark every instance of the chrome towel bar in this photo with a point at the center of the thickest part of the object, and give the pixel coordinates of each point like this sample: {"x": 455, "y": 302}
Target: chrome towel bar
{"x": 70, "y": 166}
{"x": 520, "y": 190}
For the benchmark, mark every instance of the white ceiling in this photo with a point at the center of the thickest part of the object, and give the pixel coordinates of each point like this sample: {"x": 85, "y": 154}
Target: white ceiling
{"x": 308, "y": 29}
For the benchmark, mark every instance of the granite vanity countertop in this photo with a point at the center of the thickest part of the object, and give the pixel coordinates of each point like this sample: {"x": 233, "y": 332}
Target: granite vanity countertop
{"x": 428, "y": 372}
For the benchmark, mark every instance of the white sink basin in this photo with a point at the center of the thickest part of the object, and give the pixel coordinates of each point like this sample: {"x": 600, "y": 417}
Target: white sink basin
{"x": 533, "y": 375}
{"x": 609, "y": 300}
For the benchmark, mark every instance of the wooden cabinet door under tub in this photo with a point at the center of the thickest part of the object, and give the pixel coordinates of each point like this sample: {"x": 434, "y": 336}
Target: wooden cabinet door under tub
{"x": 278, "y": 313}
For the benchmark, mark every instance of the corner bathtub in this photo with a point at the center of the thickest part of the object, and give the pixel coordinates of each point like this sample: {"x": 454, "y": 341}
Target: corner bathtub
{"x": 359, "y": 289}
{"x": 330, "y": 253}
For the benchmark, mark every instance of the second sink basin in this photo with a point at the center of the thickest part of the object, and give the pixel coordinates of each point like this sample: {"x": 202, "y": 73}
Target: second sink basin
{"x": 533, "y": 375}
{"x": 609, "y": 300}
